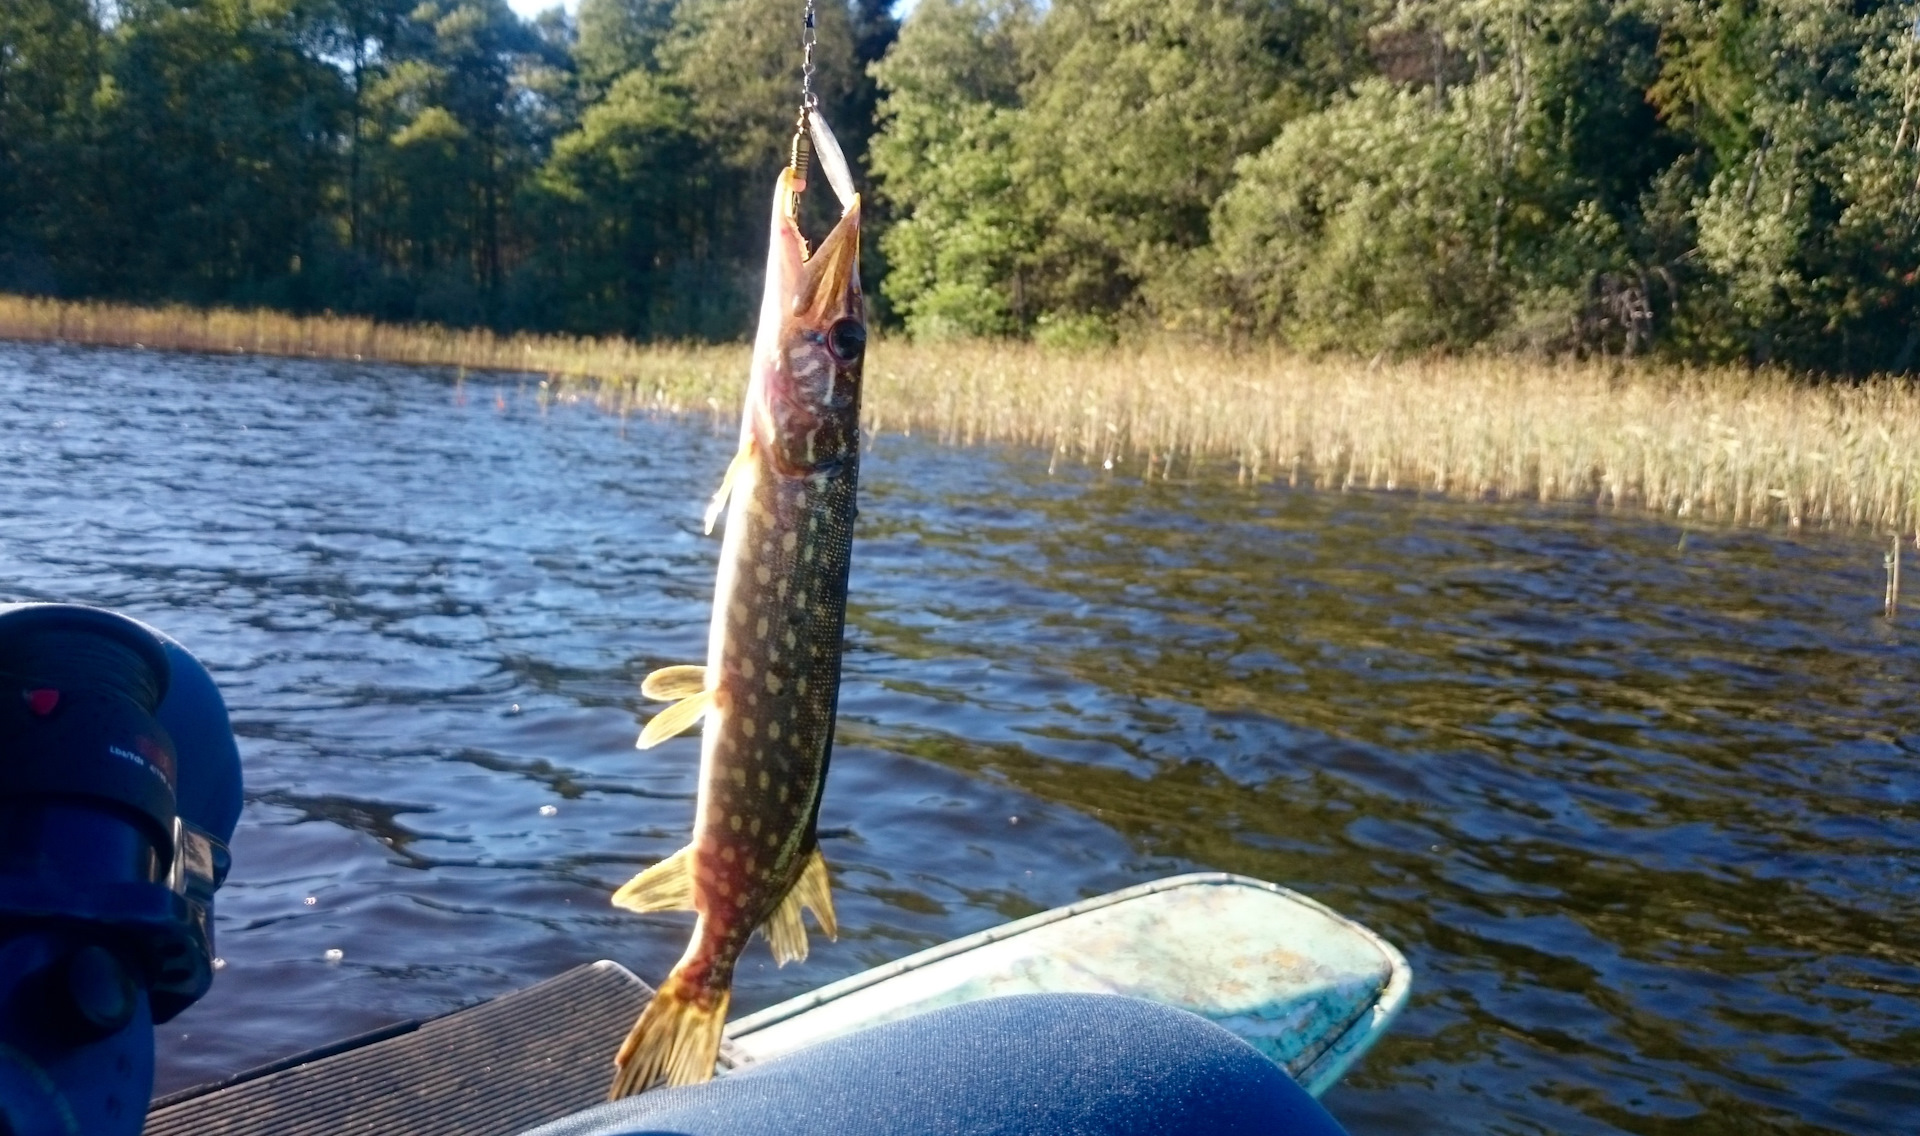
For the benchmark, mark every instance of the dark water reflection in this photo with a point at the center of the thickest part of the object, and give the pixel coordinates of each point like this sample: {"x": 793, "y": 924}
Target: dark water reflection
{"x": 1643, "y": 812}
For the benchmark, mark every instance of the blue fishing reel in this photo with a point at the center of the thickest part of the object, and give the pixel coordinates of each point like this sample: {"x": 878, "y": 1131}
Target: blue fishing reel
{"x": 119, "y": 789}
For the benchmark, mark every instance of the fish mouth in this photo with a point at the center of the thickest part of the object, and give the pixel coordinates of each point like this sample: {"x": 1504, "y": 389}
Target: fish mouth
{"x": 829, "y": 281}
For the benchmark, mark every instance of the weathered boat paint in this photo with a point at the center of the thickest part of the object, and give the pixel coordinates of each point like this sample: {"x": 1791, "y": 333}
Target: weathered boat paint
{"x": 1308, "y": 987}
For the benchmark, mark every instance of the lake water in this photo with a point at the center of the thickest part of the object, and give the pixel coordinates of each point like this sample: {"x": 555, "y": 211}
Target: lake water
{"x": 1641, "y": 805}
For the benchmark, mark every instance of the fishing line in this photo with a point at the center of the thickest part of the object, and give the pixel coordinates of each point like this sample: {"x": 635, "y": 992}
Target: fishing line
{"x": 800, "y": 152}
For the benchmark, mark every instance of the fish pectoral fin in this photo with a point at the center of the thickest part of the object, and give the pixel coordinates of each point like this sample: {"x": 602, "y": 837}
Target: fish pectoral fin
{"x": 675, "y": 720}
{"x": 719, "y": 503}
{"x": 667, "y": 886}
{"x": 670, "y": 684}
{"x": 786, "y": 934}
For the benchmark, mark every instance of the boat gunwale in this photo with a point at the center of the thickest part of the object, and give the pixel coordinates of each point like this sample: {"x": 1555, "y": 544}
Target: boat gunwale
{"x": 1333, "y": 1060}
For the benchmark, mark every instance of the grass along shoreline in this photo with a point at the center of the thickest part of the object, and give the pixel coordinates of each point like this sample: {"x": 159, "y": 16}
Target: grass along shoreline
{"x": 1720, "y": 445}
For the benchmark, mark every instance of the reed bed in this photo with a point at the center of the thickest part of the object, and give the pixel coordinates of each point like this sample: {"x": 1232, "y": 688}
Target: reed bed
{"x": 1722, "y": 445}
{"x": 675, "y": 376}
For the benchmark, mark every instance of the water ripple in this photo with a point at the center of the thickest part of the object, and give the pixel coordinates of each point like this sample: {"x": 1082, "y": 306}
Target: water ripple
{"x": 1640, "y": 805}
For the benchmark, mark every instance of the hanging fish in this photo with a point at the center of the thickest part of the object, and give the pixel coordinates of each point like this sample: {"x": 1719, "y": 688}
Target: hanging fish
{"x": 767, "y": 694}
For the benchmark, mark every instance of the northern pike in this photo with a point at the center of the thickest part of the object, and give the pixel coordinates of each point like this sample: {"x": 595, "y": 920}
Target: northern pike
{"x": 768, "y": 692}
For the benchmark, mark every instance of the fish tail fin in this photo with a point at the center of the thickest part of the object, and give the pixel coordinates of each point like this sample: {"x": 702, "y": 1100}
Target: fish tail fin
{"x": 675, "y": 1042}
{"x": 667, "y": 886}
{"x": 786, "y": 934}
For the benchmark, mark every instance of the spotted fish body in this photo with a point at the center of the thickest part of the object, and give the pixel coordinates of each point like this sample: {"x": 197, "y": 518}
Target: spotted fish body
{"x": 768, "y": 691}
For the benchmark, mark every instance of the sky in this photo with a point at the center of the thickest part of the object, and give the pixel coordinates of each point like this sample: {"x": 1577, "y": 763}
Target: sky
{"x": 535, "y": 7}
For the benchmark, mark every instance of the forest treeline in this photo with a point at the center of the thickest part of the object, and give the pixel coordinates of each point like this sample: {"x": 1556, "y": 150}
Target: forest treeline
{"x": 1708, "y": 179}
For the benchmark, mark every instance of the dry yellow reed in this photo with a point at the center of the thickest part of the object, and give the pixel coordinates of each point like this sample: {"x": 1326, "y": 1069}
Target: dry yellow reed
{"x": 673, "y": 376}
{"x": 1724, "y": 444}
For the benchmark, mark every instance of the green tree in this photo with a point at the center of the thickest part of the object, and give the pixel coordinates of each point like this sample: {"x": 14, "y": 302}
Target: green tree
{"x": 455, "y": 132}
{"x": 356, "y": 34}
{"x": 739, "y": 62}
{"x": 1132, "y": 122}
{"x": 1875, "y": 241}
{"x": 1494, "y": 184}
{"x": 221, "y": 134}
{"x": 618, "y": 36}
{"x": 1371, "y": 225}
{"x": 1711, "y": 178}
{"x": 1803, "y": 241}
{"x": 622, "y": 187}
{"x": 963, "y": 237}
{"x": 49, "y": 70}
{"x": 654, "y": 205}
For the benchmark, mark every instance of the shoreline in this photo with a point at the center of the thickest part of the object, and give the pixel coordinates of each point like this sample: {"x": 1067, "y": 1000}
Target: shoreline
{"x": 691, "y": 369}
{"x": 1725, "y": 445}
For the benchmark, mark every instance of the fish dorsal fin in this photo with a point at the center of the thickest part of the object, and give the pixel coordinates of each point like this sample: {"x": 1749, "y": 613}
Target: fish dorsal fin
{"x": 667, "y": 886}
{"x": 785, "y": 932}
{"x": 670, "y": 684}
{"x": 718, "y": 505}
{"x": 675, "y": 720}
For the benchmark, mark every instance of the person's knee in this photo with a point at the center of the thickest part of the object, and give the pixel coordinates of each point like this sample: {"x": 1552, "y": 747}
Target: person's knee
{"x": 1031, "y": 1064}
{"x": 1102, "y": 1063}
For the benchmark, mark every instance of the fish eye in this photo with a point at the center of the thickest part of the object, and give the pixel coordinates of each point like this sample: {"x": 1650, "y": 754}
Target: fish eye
{"x": 847, "y": 339}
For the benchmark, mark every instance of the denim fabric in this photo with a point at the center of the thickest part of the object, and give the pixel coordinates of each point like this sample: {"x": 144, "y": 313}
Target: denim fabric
{"x": 1035, "y": 1065}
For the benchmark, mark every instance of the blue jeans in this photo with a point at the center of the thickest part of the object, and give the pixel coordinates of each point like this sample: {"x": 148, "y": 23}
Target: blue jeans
{"x": 1032, "y": 1065}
